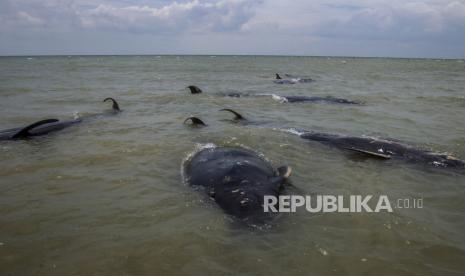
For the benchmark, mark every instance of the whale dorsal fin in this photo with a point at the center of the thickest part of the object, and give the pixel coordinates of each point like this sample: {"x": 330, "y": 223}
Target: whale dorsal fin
{"x": 115, "y": 105}
{"x": 278, "y": 77}
{"x": 195, "y": 121}
{"x": 194, "y": 89}
{"x": 284, "y": 171}
{"x": 237, "y": 115}
{"x": 371, "y": 153}
{"x": 24, "y": 132}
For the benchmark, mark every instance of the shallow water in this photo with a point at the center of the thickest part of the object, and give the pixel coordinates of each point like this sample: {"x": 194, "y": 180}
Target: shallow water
{"x": 107, "y": 197}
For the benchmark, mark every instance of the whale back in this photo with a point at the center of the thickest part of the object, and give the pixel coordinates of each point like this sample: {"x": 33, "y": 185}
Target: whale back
{"x": 236, "y": 178}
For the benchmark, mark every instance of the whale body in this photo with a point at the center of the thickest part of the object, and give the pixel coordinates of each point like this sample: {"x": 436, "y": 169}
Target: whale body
{"x": 47, "y": 126}
{"x": 328, "y": 99}
{"x": 291, "y": 80}
{"x": 237, "y": 179}
{"x": 291, "y": 99}
{"x": 385, "y": 149}
{"x": 37, "y": 129}
{"x": 371, "y": 147}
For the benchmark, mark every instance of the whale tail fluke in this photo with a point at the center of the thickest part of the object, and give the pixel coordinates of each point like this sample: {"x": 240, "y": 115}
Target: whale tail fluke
{"x": 278, "y": 77}
{"x": 194, "y": 89}
{"x": 195, "y": 121}
{"x": 237, "y": 116}
{"x": 115, "y": 105}
{"x": 24, "y": 132}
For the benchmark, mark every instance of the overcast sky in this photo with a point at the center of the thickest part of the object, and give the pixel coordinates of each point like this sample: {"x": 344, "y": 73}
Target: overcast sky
{"x": 396, "y": 28}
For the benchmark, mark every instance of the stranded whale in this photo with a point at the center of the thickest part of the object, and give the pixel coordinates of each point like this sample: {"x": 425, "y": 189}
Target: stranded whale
{"x": 373, "y": 147}
{"x": 237, "y": 179}
{"x": 291, "y": 99}
{"x": 290, "y": 80}
{"x": 46, "y": 126}
{"x": 384, "y": 149}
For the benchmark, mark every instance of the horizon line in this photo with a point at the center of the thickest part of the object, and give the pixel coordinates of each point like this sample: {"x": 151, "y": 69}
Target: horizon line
{"x": 228, "y": 55}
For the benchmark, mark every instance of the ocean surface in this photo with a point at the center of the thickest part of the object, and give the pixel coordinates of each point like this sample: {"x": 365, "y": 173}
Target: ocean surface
{"x": 106, "y": 197}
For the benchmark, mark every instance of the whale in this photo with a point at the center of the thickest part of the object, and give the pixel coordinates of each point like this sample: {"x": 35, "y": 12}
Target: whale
{"x": 46, "y": 126}
{"x": 284, "y": 99}
{"x": 38, "y": 128}
{"x": 194, "y": 89}
{"x": 114, "y": 106}
{"x": 384, "y": 149}
{"x": 372, "y": 147}
{"x": 237, "y": 179}
{"x": 315, "y": 99}
{"x": 291, "y": 80}
{"x": 195, "y": 121}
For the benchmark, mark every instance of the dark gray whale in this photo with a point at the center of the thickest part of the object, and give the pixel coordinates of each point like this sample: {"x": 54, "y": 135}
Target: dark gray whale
{"x": 237, "y": 179}
{"x": 37, "y": 129}
{"x": 115, "y": 105}
{"x": 384, "y": 149}
{"x": 328, "y": 99}
{"x": 194, "y": 89}
{"x": 291, "y": 99}
{"x": 291, "y": 80}
{"x": 47, "y": 126}
{"x": 373, "y": 147}
{"x": 195, "y": 121}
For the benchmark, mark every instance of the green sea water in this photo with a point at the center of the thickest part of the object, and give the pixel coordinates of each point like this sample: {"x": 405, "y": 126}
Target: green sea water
{"x": 106, "y": 197}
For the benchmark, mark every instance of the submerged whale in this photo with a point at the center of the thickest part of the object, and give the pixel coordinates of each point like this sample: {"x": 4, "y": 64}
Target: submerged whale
{"x": 327, "y": 99}
{"x": 237, "y": 179}
{"x": 291, "y": 80}
{"x": 373, "y": 147}
{"x": 290, "y": 99}
{"x": 384, "y": 149}
{"x": 46, "y": 126}
{"x": 194, "y": 89}
{"x": 195, "y": 121}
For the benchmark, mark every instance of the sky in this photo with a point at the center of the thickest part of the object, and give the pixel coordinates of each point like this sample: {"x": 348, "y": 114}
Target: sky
{"x": 373, "y": 28}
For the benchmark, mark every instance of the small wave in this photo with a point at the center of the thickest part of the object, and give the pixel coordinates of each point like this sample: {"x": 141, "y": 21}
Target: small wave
{"x": 279, "y": 98}
{"x": 274, "y": 97}
{"x": 292, "y": 130}
{"x": 76, "y": 115}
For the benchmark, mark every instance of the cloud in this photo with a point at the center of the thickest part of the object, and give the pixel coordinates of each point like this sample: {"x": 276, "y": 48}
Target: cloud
{"x": 356, "y": 18}
{"x": 360, "y": 19}
{"x": 194, "y": 15}
{"x": 244, "y": 24}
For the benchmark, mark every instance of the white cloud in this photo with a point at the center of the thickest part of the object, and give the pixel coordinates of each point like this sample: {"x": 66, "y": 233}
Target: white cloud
{"x": 28, "y": 19}
{"x": 362, "y": 19}
{"x": 245, "y": 23}
{"x": 193, "y": 15}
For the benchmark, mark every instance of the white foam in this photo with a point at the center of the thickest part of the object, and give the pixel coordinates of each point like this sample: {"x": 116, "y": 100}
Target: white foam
{"x": 76, "y": 115}
{"x": 292, "y": 130}
{"x": 279, "y": 98}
